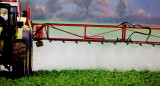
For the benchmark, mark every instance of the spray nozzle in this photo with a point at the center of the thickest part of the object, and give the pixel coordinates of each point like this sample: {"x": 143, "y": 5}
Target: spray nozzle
{"x": 76, "y": 42}
{"x": 102, "y": 43}
{"x": 140, "y": 44}
{"x": 89, "y": 42}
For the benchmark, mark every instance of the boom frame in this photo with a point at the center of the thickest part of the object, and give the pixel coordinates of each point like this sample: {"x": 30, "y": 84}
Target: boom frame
{"x": 38, "y": 34}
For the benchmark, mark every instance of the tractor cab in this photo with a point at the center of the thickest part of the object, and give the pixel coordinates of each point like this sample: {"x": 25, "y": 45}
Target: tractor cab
{"x": 8, "y": 16}
{"x": 8, "y": 23}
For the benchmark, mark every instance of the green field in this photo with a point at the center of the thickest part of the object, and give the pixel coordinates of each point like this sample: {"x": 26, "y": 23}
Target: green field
{"x": 88, "y": 77}
{"x": 95, "y": 77}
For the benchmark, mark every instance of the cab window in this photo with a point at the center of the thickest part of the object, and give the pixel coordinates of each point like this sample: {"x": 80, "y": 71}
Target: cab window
{"x": 13, "y": 17}
{"x": 4, "y": 13}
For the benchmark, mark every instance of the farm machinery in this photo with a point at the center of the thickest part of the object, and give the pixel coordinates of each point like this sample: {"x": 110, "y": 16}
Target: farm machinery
{"x": 17, "y": 33}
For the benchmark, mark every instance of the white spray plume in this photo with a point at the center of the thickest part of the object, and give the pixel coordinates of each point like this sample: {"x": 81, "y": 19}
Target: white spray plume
{"x": 59, "y": 56}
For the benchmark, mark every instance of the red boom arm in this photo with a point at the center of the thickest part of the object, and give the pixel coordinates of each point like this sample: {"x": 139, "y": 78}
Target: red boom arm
{"x": 125, "y": 31}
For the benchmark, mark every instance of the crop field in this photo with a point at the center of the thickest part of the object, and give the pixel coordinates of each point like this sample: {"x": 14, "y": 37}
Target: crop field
{"x": 95, "y": 77}
{"x": 91, "y": 76}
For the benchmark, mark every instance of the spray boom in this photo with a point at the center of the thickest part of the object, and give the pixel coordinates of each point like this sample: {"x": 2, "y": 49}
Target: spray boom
{"x": 123, "y": 33}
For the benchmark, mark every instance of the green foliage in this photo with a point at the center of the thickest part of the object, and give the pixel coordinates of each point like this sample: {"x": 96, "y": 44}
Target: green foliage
{"x": 96, "y": 77}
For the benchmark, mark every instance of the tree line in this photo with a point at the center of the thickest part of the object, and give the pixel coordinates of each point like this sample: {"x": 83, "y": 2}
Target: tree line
{"x": 90, "y": 11}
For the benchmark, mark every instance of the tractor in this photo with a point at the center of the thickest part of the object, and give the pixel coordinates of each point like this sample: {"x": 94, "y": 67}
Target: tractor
{"x": 15, "y": 38}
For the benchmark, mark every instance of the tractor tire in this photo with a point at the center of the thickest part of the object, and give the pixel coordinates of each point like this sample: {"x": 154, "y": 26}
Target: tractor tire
{"x": 21, "y": 60}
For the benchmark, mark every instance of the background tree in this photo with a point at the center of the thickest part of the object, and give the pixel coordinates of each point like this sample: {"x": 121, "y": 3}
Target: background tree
{"x": 52, "y": 6}
{"x": 130, "y": 9}
{"x": 88, "y": 9}
{"x": 142, "y": 13}
{"x": 121, "y": 8}
{"x": 102, "y": 5}
{"x": 85, "y": 5}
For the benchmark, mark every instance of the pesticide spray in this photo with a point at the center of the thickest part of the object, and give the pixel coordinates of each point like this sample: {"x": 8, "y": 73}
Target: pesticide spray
{"x": 59, "y": 56}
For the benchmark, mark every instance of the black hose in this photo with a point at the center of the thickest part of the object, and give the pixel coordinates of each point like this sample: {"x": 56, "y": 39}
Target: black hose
{"x": 132, "y": 26}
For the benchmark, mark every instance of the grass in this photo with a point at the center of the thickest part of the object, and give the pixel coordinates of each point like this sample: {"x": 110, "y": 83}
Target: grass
{"x": 96, "y": 77}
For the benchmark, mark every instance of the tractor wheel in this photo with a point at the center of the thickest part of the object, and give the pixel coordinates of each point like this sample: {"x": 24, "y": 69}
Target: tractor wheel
{"x": 21, "y": 59}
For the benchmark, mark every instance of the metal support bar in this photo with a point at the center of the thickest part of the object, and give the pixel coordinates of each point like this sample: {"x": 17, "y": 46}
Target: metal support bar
{"x": 66, "y": 31}
{"x": 85, "y": 30}
{"x": 39, "y": 30}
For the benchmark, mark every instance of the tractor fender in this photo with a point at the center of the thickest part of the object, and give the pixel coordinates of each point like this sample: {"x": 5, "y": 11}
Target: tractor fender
{"x": 24, "y": 35}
